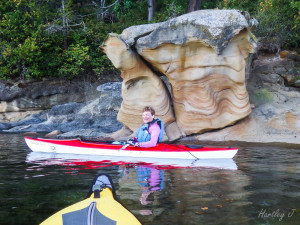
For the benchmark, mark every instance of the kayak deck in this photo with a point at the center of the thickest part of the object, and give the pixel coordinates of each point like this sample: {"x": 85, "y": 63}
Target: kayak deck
{"x": 100, "y": 208}
{"x": 76, "y": 146}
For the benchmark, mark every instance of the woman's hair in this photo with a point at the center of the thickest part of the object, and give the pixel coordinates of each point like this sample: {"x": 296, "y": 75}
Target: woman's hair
{"x": 149, "y": 109}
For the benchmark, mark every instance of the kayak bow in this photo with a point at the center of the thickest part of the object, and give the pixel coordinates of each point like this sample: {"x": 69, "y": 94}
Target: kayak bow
{"x": 100, "y": 207}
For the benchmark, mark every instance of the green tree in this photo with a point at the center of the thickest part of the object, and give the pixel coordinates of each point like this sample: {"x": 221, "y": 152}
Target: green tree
{"x": 279, "y": 20}
{"x": 21, "y": 43}
{"x": 169, "y": 9}
{"x": 61, "y": 38}
{"x": 250, "y": 6}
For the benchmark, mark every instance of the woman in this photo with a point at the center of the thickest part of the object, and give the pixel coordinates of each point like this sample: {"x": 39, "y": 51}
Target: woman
{"x": 151, "y": 132}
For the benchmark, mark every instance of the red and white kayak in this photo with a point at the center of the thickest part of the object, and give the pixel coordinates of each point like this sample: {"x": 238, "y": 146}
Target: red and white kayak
{"x": 165, "y": 151}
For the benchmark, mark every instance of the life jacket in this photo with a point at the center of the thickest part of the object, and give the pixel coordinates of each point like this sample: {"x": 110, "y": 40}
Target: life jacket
{"x": 143, "y": 134}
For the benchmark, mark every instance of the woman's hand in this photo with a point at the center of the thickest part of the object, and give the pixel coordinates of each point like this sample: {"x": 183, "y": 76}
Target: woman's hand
{"x": 133, "y": 141}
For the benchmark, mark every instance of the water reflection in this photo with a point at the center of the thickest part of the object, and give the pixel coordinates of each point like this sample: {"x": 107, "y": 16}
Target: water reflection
{"x": 150, "y": 180}
{"x": 95, "y": 161}
{"x": 145, "y": 183}
{"x": 263, "y": 185}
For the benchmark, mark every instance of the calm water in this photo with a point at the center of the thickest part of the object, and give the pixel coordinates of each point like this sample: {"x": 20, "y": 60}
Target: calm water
{"x": 264, "y": 189}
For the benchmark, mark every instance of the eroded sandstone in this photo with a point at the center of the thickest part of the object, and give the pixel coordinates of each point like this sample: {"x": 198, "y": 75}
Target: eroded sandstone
{"x": 208, "y": 89}
{"x": 203, "y": 54}
{"x": 140, "y": 87}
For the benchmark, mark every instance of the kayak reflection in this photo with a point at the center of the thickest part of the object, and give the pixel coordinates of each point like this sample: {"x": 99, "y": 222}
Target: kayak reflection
{"x": 94, "y": 161}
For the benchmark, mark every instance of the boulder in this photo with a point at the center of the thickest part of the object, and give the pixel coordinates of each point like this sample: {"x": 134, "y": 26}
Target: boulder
{"x": 4, "y": 126}
{"x": 203, "y": 54}
{"x": 208, "y": 89}
{"x": 270, "y": 69}
{"x": 53, "y": 134}
{"x": 86, "y": 134}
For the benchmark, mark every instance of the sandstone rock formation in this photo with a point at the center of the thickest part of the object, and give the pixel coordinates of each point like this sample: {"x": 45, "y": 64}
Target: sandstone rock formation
{"x": 141, "y": 87}
{"x": 204, "y": 56}
{"x": 275, "y": 116}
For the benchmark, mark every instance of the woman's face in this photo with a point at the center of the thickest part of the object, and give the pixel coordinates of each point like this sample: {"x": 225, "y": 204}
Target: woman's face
{"x": 147, "y": 117}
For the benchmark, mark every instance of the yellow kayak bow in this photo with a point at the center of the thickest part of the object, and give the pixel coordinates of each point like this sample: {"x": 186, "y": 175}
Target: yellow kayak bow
{"x": 98, "y": 209}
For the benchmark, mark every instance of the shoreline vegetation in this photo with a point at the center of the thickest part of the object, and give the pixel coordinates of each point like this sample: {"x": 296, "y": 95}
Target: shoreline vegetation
{"x": 61, "y": 38}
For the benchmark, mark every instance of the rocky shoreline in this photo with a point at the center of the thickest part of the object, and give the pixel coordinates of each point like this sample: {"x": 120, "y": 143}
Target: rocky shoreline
{"x": 275, "y": 116}
{"x": 97, "y": 115}
{"x": 205, "y": 73}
